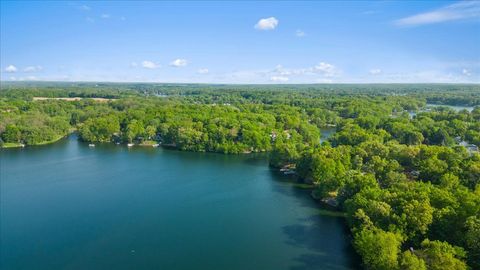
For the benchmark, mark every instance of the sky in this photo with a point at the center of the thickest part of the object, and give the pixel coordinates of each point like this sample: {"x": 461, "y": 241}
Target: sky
{"x": 241, "y": 42}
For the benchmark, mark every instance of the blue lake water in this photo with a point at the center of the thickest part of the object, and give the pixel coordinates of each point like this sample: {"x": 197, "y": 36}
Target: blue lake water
{"x": 455, "y": 108}
{"x": 68, "y": 206}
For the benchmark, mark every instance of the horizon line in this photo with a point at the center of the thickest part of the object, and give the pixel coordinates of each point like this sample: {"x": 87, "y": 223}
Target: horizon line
{"x": 220, "y": 83}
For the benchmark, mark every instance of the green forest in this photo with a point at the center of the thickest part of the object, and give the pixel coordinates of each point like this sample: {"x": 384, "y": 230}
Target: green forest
{"x": 405, "y": 173}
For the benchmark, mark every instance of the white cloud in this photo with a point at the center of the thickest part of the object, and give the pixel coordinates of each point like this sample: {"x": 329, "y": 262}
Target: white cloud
{"x": 280, "y": 70}
{"x": 149, "y": 65}
{"x": 203, "y": 71}
{"x": 458, "y": 11}
{"x": 299, "y": 33}
{"x": 267, "y": 24}
{"x": 326, "y": 69}
{"x": 33, "y": 69}
{"x": 84, "y": 7}
{"x": 11, "y": 69}
{"x": 279, "y": 79}
{"x": 323, "y": 69}
{"x": 179, "y": 63}
{"x": 105, "y": 16}
{"x": 90, "y": 19}
{"x": 134, "y": 64}
{"x": 466, "y": 72}
{"x": 375, "y": 71}
{"x": 425, "y": 76}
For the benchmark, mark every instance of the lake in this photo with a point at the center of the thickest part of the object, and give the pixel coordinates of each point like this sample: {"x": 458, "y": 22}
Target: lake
{"x": 455, "y": 108}
{"x": 68, "y": 206}
{"x": 430, "y": 106}
{"x": 326, "y": 133}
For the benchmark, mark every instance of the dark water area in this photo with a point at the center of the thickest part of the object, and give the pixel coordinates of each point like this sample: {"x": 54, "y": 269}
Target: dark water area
{"x": 327, "y": 133}
{"x": 69, "y": 206}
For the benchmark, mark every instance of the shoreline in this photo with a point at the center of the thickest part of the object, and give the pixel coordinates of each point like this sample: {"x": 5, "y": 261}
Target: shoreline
{"x": 22, "y": 145}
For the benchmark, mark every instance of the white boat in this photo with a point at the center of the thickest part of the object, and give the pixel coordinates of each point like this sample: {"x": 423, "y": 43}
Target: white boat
{"x": 130, "y": 144}
{"x": 91, "y": 145}
{"x": 155, "y": 145}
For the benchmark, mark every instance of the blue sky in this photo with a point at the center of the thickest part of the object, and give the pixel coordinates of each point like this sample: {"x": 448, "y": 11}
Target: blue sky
{"x": 241, "y": 42}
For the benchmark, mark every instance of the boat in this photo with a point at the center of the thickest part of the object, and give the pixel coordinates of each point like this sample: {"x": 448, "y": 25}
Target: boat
{"x": 155, "y": 145}
{"x": 91, "y": 145}
{"x": 130, "y": 144}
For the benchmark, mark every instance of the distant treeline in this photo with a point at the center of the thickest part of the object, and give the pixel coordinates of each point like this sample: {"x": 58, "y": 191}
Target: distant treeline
{"x": 447, "y": 94}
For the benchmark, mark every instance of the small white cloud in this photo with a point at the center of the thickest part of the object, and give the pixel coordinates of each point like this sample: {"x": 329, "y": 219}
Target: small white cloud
{"x": 90, "y": 19}
{"x": 31, "y": 78}
{"x": 266, "y": 24}
{"x": 134, "y": 64}
{"x": 458, "y": 11}
{"x": 105, "y": 16}
{"x": 375, "y": 71}
{"x": 179, "y": 63}
{"x": 323, "y": 69}
{"x": 33, "y": 69}
{"x": 328, "y": 70}
{"x": 149, "y": 65}
{"x": 279, "y": 79}
{"x": 11, "y": 69}
{"x": 280, "y": 70}
{"x": 203, "y": 71}
{"x": 299, "y": 33}
{"x": 466, "y": 72}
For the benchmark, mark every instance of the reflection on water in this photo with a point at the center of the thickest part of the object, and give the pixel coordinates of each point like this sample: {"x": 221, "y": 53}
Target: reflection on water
{"x": 68, "y": 206}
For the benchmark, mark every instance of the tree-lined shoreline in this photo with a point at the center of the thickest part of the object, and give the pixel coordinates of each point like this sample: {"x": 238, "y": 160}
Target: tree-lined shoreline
{"x": 407, "y": 183}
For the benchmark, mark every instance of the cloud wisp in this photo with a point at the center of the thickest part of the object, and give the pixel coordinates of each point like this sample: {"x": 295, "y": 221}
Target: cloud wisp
{"x": 203, "y": 71}
{"x": 149, "y": 65}
{"x": 299, "y": 33}
{"x": 266, "y": 24}
{"x": 459, "y": 11}
{"x": 33, "y": 69}
{"x": 179, "y": 63}
{"x": 322, "y": 72}
{"x": 466, "y": 72}
{"x": 279, "y": 79}
{"x": 375, "y": 71}
{"x": 11, "y": 69}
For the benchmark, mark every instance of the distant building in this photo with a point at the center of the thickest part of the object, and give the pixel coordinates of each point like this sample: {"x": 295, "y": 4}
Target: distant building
{"x": 469, "y": 146}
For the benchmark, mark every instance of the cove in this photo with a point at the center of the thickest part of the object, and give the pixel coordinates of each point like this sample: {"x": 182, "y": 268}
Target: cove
{"x": 68, "y": 206}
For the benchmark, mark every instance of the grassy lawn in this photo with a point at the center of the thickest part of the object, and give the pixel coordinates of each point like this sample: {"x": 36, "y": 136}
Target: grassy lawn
{"x": 11, "y": 145}
{"x": 14, "y": 145}
{"x": 148, "y": 143}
